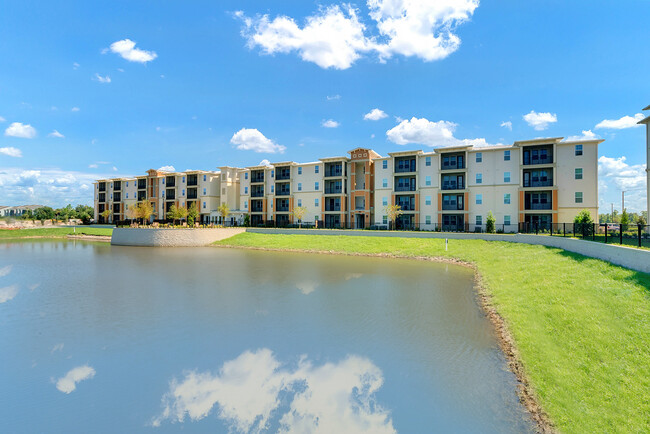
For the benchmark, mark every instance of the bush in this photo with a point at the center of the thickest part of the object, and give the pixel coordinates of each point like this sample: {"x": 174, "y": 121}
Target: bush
{"x": 584, "y": 223}
{"x": 489, "y": 223}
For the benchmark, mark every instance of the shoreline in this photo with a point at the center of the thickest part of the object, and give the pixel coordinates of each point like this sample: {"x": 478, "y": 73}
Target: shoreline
{"x": 505, "y": 340}
{"x": 98, "y": 238}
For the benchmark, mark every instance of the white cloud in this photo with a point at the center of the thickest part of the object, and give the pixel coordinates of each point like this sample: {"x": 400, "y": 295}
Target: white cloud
{"x": 167, "y": 169}
{"x": 4, "y": 271}
{"x": 586, "y": 135}
{"x": 618, "y": 173}
{"x": 250, "y": 392}
{"x": 7, "y": 293}
{"x": 57, "y": 134}
{"x": 264, "y": 162}
{"x": 57, "y": 347}
{"x": 333, "y": 97}
{"x": 105, "y": 79}
{"x": 11, "y": 152}
{"x": 68, "y": 383}
{"x": 114, "y": 169}
{"x": 330, "y": 123}
{"x": 307, "y": 287}
{"x": 506, "y": 124}
{"x": 250, "y": 139}
{"x": 335, "y": 37}
{"x": 93, "y": 166}
{"x": 425, "y": 132}
{"x": 126, "y": 49}
{"x": 375, "y": 115}
{"x": 540, "y": 121}
{"x": 75, "y": 65}
{"x": 622, "y": 123}
{"x": 17, "y": 129}
{"x": 74, "y": 109}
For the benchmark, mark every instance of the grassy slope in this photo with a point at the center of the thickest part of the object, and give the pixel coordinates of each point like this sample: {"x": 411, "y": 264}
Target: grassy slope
{"x": 52, "y": 232}
{"x": 582, "y": 325}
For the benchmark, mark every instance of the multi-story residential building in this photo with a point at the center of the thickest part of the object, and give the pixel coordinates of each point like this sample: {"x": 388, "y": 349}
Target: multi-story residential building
{"x": 537, "y": 182}
{"x": 646, "y": 121}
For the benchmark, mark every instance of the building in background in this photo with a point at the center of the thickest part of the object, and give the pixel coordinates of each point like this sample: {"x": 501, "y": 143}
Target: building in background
{"x": 646, "y": 121}
{"x": 17, "y": 211}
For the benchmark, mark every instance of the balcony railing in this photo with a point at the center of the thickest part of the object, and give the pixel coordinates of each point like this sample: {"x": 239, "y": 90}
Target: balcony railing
{"x": 283, "y": 208}
{"x": 333, "y": 190}
{"x": 192, "y": 194}
{"x": 405, "y": 167}
{"x": 117, "y": 197}
{"x": 102, "y": 187}
{"x": 406, "y": 206}
{"x": 332, "y": 207}
{"x": 142, "y": 195}
{"x": 170, "y": 194}
{"x": 257, "y": 193}
{"x": 453, "y": 166}
{"x": 333, "y": 173}
{"x": 257, "y": 178}
{"x": 529, "y": 160}
{"x": 547, "y": 183}
{"x": 537, "y": 206}
{"x": 283, "y": 174}
{"x": 283, "y": 192}
{"x": 170, "y": 181}
{"x": 102, "y": 197}
{"x": 453, "y": 185}
{"x": 405, "y": 188}
{"x": 142, "y": 184}
{"x": 452, "y": 206}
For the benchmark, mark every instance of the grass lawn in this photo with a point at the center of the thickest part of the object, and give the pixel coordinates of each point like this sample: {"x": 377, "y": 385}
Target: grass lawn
{"x": 582, "y": 326}
{"x": 52, "y": 232}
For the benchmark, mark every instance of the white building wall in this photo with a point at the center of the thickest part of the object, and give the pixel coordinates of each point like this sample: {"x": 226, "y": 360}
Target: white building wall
{"x": 566, "y": 163}
{"x": 308, "y": 195}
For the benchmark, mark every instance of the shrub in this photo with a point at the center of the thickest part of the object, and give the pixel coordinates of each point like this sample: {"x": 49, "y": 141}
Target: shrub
{"x": 489, "y": 223}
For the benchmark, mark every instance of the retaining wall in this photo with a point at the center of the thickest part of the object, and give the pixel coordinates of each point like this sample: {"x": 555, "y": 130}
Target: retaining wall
{"x": 170, "y": 237}
{"x": 628, "y": 257}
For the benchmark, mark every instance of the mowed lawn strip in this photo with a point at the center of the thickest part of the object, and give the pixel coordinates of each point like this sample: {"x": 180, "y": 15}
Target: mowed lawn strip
{"x": 581, "y": 325}
{"x": 53, "y": 232}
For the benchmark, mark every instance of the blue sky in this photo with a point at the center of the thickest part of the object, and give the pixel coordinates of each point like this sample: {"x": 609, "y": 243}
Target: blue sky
{"x": 440, "y": 72}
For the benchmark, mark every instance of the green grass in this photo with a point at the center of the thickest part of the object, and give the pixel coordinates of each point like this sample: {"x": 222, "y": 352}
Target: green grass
{"x": 582, "y": 326}
{"x": 52, "y": 232}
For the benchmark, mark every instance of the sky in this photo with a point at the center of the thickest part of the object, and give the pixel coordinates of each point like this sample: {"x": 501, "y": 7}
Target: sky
{"x": 92, "y": 90}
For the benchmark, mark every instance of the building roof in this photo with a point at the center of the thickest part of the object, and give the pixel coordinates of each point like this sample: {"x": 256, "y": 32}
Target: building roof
{"x": 284, "y": 163}
{"x": 539, "y": 141}
{"x": 647, "y": 108}
{"x": 331, "y": 159}
{"x": 582, "y": 142}
{"x": 646, "y": 120}
{"x": 452, "y": 148}
{"x": 405, "y": 153}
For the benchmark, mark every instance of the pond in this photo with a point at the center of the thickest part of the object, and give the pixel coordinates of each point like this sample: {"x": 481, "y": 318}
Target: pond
{"x": 99, "y": 338}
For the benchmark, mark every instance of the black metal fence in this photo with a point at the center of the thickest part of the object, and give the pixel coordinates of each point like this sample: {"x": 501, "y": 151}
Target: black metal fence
{"x": 611, "y": 233}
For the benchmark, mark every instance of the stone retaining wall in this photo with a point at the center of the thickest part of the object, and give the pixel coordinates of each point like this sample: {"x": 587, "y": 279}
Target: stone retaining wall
{"x": 171, "y": 237}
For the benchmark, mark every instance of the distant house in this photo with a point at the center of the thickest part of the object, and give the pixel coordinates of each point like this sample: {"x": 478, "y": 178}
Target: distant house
{"x": 17, "y": 211}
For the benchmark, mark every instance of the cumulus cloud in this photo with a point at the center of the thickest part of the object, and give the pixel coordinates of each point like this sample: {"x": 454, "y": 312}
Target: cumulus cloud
{"x": 330, "y": 123}
{"x": 333, "y": 97}
{"x": 264, "y": 162}
{"x": 335, "y": 36}
{"x": 375, "y": 115}
{"x": 74, "y": 109}
{"x": 506, "y": 124}
{"x": 4, "y": 271}
{"x": 540, "y": 121}
{"x": 167, "y": 169}
{"x": 7, "y": 293}
{"x": 250, "y": 139}
{"x": 75, "y": 65}
{"x": 618, "y": 173}
{"x": 57, "y": 134}
{"x": 622, "y": 123}
{"x": 250, "y": 392}
{"x": 425, "y": 132}
{"x": 102, "y": 79}
{"x": 17, "y": 129}
{"x": 68, "y": 383}
{"x": 93, "y": 166}
{"x": 11, "y": 152}
{"x": 586, "y": 135}
{"x": 126, "y": 49}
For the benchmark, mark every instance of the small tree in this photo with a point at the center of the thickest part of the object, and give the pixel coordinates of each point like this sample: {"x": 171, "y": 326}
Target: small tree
{"x": 173, "y": 213}
{"x": 192, "y": 214}
{"x": 490, "y": 223}
{"x": 625, "y": 220}
{"x": 393, "y": 212}
{"x": 223, "y": 210}
{"x": 182, "y": 212}
{"x": 144, "y": 210}
{"x": 106, "y": 214}
{"x": 641, "y": 221}
{"x": 44, "y": 213}
{"x": 247, "y": 220}
{"x": 132, "y": 212}
{"x": 584, "y": 222}
{"x": 298, "y": 213}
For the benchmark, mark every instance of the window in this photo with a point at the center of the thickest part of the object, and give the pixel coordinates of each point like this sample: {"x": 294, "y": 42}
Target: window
{"x": 427, "y": 161}
{"x": 578, "y": 173}
{"x": 127, "y": 183}
{"x": 299, "y": 202}
{"x": 183, "y": 179}
{"x": 316, "y": 168}
{"x": 384, "y": 201}
{"x": 427, "y": 200}
{"x": 316, "y": 184}
{"x": 204, "y": 191}
{"x": 578, "y": 197}
{"x": 384, "y": 182}
{"x": 479, "y": 199}
{"x": 183, "y": 193}
{"x": 479, "y": 178}
{"x": 203, "y": 205}
{"x": 163, "y": 181}
{"x": 271, "y": 204}
{"x": 246, "y": 175}
{"x": 506, "y": 176}
{"x": 384, "y": 219}
{"x": 127, "y": 195}
{"x": 479, "y": 220}
{"x": 272, "y": 173}
{"x": 578, "y": 150}
{"x": 300, "y": 171}
{"x": 204, "y": 177}
{"x": 506, "y": 198}
{"x": 246, "y": 205}
{"x": 506, "y": 155}
{"x": 272, "y": 188}
{"x": 427, "y": 180}
{"x": 300, "y": 186}
{"x": 316, "y": 202}
{"x": 384, "y": 164}
{"x": 427, "y": 220}
{"x": 506, "y": 219}
{"x": 111, "y": 196}
{"x": 163, "y": 194}
{"x": 479, "y": 157}
{"x": 245, "y": 190}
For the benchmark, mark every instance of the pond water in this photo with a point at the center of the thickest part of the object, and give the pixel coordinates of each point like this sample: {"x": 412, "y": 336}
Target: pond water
{"x": 98, "y": 338}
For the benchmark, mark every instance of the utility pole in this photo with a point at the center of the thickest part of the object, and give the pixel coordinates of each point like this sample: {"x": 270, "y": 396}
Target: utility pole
{"x": 623, "y": 200}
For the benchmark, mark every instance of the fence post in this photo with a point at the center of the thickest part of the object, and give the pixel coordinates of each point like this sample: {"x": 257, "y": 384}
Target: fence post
{"x": 537, "y": 229}
{"x": 564, "y": 229}
{"x": 574, "y": 230}
{"x": 620, "y": 233}
{"x": 605, "y": 233}
{"x": 593, "y": 232}
{"x": 639, "y": 235}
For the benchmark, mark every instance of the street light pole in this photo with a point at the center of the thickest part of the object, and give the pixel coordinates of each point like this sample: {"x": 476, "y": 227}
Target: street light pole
{"x": 623, "y": 200}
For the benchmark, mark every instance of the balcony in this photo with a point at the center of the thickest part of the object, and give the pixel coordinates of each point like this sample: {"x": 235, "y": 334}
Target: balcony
{"x": 192, "y": 180}
{"x": 142, "y": 184}
{"x": 333, "y": 190}
{"x": 257, "y": 176}
{"x": 102, "y": 197}
{"x": 257, "y": 206}
{"x": 405, "y": 188}
{"x": 142, "y": 195}
{"x": 404, "y": 165}
{"x": 333, "y": 172}
{"x": 170, "y": 194}
{"x": 453, "y": 162}
{"x": 192, "y": 193}
{"x": 538, "y": 206}
{"x": 170, "y": 181}
{"x": 282, "y": 189}
{"x": 406, "y": 206}
{"x": 452, "y": 206}
{"x": 102, "y": 186}
{"x": 282, "y": 208}
{"x": 116, "y": 208}
{"x": 405, "y": 184}
{"x": 257, "y": 192}
{"x": 117, "y": 186}
{"x": 117, "y": 197}
{"x": 453, "y": 185}
{"x": 533, "y": 183}
{"x": 283, "y": 173}
{"x": 541, "y": 155}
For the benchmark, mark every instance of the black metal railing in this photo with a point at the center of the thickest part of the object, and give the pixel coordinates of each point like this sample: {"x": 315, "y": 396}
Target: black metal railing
{"x": 610, "y": 233}
{"x": 547, "y": 183}
{"x": 537, "y": 206}
{"x": 453, "y": 185}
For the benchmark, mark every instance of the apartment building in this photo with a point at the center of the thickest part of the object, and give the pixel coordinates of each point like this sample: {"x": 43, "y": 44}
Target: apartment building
{"x": 646, "y": 122}
{"x": 540, "y": 181}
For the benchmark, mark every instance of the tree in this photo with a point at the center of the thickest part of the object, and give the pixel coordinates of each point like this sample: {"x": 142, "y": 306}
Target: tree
{"x": 44, "y": 213}
{"x": 298, "y": 214}
{"x": 584, "y": 222}
{"x": 247, "y": 220}
{"x": 144, "y": 210}
{"x": 625, "y": 220}
{"x": 182, "y": 212}
{"x": 132, "y": 212}
{"x": 27, "y": 215}
{"x": 393, "y": 211}
{"x": 106, "y": 214}
{"x": 641, "y": 221}
{"x": 192, "y": 214}
{"x": 490, "y": 223}
{"x": 223, "y": 210}
{"x": 173, "y": 213}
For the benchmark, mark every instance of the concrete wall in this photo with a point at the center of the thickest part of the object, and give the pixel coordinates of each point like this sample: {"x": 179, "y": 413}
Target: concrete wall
{"x": 635, "y": 259}
{"x": 170, "y": 237}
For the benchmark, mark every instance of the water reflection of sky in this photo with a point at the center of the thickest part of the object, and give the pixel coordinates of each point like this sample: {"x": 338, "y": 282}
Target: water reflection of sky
{"x": 95, "y": 336}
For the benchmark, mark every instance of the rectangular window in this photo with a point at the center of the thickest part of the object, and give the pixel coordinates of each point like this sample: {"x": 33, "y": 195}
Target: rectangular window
{"x": 506, "y": 198}
{"x": 204, "y": 177}
{"x": 427, "y": 200}
{"x": 427, "y": 180}
{"x": 203, "y": 205}
{"x": 506, "y": 176}
{"x": 299, "y": 202}
{"x": 479, "y": 220}
{"x": 479, "y": 157}
{"x": 272, "y": 173}
{"x": 427, "y": 220}
{"x": 245, "y": 190}
{"x": 183, "y": 193}
{"x": 427, "y": 161}
{"x": 479, "y": 199}
{"x": 384, "y": 219}
{"x": 316, "y": 168}
{"x": 506, "y": 155}
{"x": 163, "y": 181}
{"x": 300, "y": 171}
{"x": 246, "y": 205}
{"x": 316, "y": 184}
{"x": 384, "y": 201}
{"x": 127, "y": 183}
{"x": 578, "y": 197}
{"x": 506, "y": 219}
{"x": 384, "y": 164}
{"x": 479, "y": 178}
{"x": 384, "y": 182}
{"x": 578, "y": 173}
{"x": 578, "y": 150}
{"x": 271, "y": 204}
{"x": 316, "y": 202}
{"x": 246, "y": 175}
{"x": 300, "y": 186}
{"x": 204, "y": 191}
{"x": 183, "y": 179}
